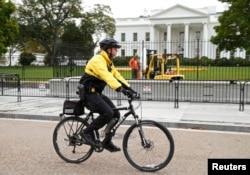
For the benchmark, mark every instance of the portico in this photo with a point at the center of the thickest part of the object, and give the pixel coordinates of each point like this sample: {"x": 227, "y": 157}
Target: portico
{"x": 178, "y": 29}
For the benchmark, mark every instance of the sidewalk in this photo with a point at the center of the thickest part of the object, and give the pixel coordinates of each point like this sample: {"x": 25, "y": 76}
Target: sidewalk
{"x": 208, "y": 116}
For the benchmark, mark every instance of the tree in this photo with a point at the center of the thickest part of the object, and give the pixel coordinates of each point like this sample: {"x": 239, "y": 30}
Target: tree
{"x": 77, "y": 39}
{"x": 13, "y": 48}
{"x": 47, "y": 20}
{"x": 8, "y": 25}
{"x": 96, "y": 22}
{"x": 17, "y": 45}
{"x": 43, "y": 20}
{"x": 100, "y": 21}
{"x": 234, "y": 29}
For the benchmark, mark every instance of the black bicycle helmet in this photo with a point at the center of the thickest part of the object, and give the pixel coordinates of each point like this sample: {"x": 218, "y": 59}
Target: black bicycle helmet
{"x": 109, "y": 43}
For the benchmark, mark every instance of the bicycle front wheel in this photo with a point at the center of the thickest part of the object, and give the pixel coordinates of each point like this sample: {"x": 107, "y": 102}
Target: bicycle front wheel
{"x": 67, "y": 140}
{"x": 148, "y": 146}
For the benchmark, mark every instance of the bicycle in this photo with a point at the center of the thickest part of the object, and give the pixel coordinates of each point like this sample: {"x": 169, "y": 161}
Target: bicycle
{"x": 147, "y": 145}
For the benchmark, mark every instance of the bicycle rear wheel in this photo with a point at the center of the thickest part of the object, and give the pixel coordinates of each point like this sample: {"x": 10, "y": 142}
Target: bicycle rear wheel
{"x": 67, "y": 140}
{"x": 148, "y": 146}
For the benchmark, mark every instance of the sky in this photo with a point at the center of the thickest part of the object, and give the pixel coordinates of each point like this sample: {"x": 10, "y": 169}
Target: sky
{"x": 135, "y": 8}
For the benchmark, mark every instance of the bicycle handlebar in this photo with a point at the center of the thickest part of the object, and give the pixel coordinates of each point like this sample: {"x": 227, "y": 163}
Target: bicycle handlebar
{"x": 133, "y": 96}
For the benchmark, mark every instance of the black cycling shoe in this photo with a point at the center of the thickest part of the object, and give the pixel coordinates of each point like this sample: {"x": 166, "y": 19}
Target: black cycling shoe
{"x": 89, "y": 137}
{"x": 111, "y": 147}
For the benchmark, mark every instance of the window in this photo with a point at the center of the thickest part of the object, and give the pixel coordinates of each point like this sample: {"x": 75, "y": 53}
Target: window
{"x": 248, "y": 55}
{"x": 135, "y": 37}
{"x": 123, "y": 52}
{"x": 217, "y": 53}
{"x": 134, "y": 51}
{"x": 123, "y": 37}
{"x": 165, "y": 36}
{"x": 165, "y": 51}
{"x": 181, "y": 36}
{"x": 198, "y": 35}
{"x": 147, "y": 36}
{"x": 232, "y": 54}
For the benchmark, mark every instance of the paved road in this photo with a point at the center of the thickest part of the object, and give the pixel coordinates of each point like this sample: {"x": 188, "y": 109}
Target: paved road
{"x": 26, "y": 148}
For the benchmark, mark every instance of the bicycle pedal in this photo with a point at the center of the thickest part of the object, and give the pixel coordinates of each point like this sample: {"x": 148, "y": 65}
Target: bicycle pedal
{"x": 99, "y": 147}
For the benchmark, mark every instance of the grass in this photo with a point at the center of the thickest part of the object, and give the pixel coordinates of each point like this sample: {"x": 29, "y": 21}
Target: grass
{"x": 29, "y": 71}
{"x": 220, "y": 73}
{"x": 39, "y": 73}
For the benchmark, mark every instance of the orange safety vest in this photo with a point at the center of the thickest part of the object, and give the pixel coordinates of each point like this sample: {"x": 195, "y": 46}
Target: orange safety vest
{"x": 134, "y": 63}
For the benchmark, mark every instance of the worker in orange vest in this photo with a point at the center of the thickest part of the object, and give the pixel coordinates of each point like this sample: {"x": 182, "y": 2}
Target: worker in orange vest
{"x": 134, "y": 64}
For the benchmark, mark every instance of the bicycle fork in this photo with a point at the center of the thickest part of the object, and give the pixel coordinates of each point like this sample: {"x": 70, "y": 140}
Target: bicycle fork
{"x": 144, "y": 142}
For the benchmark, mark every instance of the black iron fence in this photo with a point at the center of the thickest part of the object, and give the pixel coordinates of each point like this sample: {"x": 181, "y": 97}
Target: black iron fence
{"x": 10, "y": 83}
{"x": 69, "y": 59}
{"x": 236, "y": 92}
{"x": 199, "y": 60}
{"x": 206, "y": 79}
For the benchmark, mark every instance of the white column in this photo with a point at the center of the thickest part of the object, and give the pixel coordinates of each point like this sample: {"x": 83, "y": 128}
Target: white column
{"x": 237, "y": 53}
{"x": 152, "y": 36}
{"x": 225, "y": 54}
{"x": 169, "y": 38}
{"x": 205, "y": 40}
{"x": 152, "y": 32}
{"x": 240, "y": 53}
{"x": 186, "y": 40}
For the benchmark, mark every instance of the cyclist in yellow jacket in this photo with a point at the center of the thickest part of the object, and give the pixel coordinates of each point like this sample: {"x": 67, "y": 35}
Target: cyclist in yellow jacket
{"x": 99, "y": 72}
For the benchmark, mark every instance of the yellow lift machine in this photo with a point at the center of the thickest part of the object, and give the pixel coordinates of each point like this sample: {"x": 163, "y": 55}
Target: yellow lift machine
{"x": 157, "y": 67}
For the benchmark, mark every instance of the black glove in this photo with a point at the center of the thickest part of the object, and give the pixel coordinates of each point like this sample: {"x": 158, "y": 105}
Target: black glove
{"x": 137, "y": 95}
{"x": 131, "y": 93}
{"x": 127, "y": 92}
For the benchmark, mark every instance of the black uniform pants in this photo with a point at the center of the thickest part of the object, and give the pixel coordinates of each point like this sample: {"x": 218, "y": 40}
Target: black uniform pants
{"x": 101, "y": 104}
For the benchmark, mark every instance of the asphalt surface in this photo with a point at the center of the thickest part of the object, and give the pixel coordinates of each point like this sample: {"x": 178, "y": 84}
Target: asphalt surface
{"x": 26, "y": 148}
{"x": 203, "y": 116}
{"x": 200, "y": 130}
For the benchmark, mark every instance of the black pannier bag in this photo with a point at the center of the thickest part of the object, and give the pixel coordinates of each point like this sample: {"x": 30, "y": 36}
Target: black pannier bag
{"x": 73, "y": 107}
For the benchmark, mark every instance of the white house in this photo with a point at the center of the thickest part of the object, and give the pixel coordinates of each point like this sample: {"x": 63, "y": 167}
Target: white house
{"x": 178, "y": 29}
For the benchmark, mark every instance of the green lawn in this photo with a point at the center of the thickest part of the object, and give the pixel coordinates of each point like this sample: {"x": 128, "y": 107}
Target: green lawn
{"x": 29, "y": 71}
{"x": 46, "y": 72}
{"x": 220, "y": 73}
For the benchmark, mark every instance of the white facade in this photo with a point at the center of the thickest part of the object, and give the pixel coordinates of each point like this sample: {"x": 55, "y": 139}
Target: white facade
{"x": 179, "y": 28}
{"x": 15, "y": 59}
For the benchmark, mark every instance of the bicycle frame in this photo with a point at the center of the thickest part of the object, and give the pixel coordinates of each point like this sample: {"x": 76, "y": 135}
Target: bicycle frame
{"x": 68, "y": 142}
{"x": 124, "y": 116}
{"x": 131, "y": 111}
{"x": 121, "y": 119}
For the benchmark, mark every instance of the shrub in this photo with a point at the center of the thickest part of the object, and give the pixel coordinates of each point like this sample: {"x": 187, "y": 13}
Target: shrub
{"x": 26, "y": 58}
{"x": 121, "y": 61}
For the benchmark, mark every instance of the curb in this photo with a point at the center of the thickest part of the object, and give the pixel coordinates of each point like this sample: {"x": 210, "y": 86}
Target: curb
{"x": 230, "y": 127}
{"x": 29, "y": 117}
{"x": 203, "y": 126}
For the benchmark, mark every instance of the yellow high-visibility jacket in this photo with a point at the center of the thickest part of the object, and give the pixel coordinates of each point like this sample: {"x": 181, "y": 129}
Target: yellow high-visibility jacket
{"x": 100, "y": 71}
